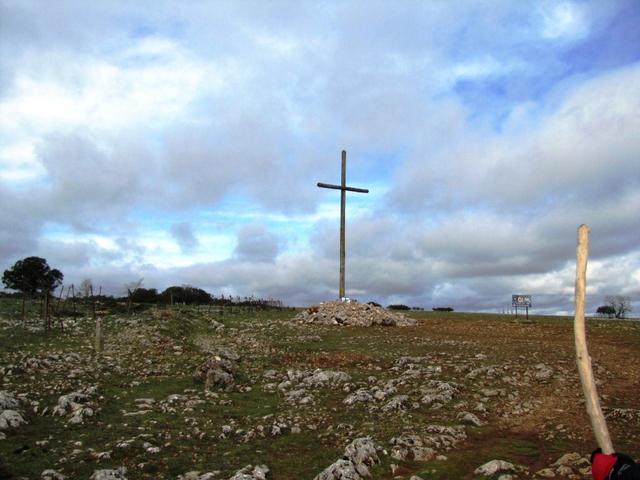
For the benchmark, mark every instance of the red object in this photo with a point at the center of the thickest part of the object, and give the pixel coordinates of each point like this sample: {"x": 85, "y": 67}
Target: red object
{"x": 601, "y": 465}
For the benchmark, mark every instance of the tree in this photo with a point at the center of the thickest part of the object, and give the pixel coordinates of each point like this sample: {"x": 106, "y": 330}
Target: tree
{"x": 607, "y": 310}
{"x": 621, "y": 304}
{"x": 32, "y": 275}
{"x": 186, "y": 294}
{"x": 145, "y": 295}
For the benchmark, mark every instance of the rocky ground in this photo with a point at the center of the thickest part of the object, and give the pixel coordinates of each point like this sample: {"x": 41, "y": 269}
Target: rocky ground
{"x": 186, "y": 395}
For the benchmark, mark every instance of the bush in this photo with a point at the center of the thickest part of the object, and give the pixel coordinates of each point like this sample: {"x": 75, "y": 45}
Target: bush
{"x": 398, "y": 307}
{"x": 442, "y": 309}
{"x": 145, "y": 295}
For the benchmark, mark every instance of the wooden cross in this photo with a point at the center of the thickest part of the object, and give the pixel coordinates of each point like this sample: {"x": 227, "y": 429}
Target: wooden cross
{"x": 343, "y": 200}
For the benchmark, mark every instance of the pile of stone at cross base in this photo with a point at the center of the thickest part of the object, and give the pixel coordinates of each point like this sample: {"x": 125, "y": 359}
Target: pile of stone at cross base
{"x": 352, "y": 314}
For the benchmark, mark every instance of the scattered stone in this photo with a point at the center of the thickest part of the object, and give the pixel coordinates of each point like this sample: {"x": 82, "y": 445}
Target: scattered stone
{"x": 199, "y": 476}
{"x": 567, "y": 459}
{"x": 296, "y": 383}
{"x": 250, "y": 472}
{"x": 359, "y": 396}
{"x": 545, "y": 473}
{"x": 625, "y": 414}
{"x": 410, "y": 446}
{"x": 399, "y": 402}
{"x": 8, "y": 401}
{"x": 324, "y": 377}
{"x": 50, "y": 474}
{"x": 543, "y": 372}
{"x": 438, "y": 393}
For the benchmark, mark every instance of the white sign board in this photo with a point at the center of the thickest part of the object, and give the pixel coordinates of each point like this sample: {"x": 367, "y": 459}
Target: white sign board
{"x": 521, "y": 300}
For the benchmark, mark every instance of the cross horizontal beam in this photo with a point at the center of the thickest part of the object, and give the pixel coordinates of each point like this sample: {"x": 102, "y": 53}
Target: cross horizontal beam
{"x": 340, "y": 187}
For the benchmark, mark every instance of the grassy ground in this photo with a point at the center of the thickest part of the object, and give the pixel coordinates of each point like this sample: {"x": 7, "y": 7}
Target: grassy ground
{"x": 155, "y": 353}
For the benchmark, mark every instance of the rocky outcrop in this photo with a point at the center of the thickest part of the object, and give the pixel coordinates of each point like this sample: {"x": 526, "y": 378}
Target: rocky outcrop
{"x": 354, "y": 465}
{"x": 219, "y": 371}
{"x": 76, "y": 405}
{"x": 424, "y": 447}
{"x": 10, "y": 415}
{"x": 259, "y": 472}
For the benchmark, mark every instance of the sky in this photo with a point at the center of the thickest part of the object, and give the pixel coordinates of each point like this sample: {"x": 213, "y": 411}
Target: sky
{"x": 181, "y": 143}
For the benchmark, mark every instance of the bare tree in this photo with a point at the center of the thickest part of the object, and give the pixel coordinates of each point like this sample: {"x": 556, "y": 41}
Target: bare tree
{"x": 86, "y": 286}
{"x": 620, "y": 303}
{"x": 131, "y": 288}
{"x": 86, "y": 290}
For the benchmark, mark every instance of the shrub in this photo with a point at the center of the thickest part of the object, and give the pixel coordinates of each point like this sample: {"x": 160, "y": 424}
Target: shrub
{"x": 398, "y": 307}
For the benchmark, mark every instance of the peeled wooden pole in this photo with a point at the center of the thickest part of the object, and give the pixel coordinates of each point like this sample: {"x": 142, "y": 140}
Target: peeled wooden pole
{"x": 598, "y": 423}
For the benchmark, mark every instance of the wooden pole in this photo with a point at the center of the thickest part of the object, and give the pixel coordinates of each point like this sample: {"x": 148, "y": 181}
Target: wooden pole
{"x": 93, "y": 302}
{"x": 24, "y": 307}
{"x": 73, "y": 301}
{"x": 57, "y": 307}
{"x": 99, "y": 340}
{"x": 343, "y": 201}
{"x": 45, "y": 310}
{"x": 598, "y": 422}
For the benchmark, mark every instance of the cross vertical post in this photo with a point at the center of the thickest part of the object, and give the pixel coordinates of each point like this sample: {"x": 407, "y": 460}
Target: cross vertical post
{"x": 343, "y": 202}
{"x": 343, "y": 208}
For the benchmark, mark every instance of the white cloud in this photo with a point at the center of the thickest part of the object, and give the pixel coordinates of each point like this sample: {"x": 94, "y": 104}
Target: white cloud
{"x": 482, "y": 147}
{"x": 563, "y": 20}
{"x": 18, "y": 163}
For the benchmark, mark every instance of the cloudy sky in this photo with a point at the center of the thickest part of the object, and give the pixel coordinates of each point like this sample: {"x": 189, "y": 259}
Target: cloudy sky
{"x": 181, "y": 142}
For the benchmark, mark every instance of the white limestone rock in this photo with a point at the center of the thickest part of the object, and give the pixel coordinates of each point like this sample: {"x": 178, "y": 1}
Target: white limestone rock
{"x": 109, "y": 474}
{"x": 359, "y": 396}
{"x": 50, "y": 474}
{"x": 469, "y": 419}
{"x": 354, "y": 465}
{"x": 494, "y": 466}
{"x": 8, "y": 401}
{"x": 11, "y": 419}
{"x": 259, "y": 472}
